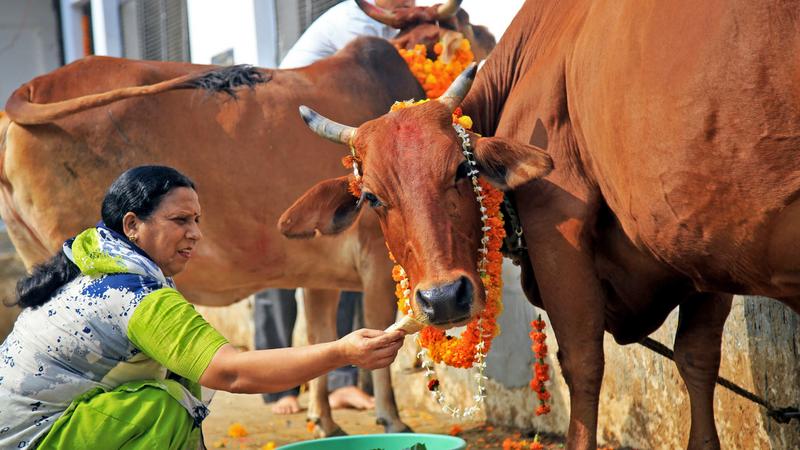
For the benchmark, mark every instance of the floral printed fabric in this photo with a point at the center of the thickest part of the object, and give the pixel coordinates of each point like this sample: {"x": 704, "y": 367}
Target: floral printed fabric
{"x": 78, "y": 340}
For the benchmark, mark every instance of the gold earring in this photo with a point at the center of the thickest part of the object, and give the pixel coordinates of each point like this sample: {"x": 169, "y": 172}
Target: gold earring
{"x": 132, "y": 238}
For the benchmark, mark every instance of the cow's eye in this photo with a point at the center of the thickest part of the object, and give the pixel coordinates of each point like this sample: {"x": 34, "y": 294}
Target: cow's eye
{"x": 462, "y": 171}
{"x": 372, "y": 199}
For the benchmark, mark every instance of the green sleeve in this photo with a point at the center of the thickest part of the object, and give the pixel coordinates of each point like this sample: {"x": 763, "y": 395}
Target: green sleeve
{"x": 167, "y": 328}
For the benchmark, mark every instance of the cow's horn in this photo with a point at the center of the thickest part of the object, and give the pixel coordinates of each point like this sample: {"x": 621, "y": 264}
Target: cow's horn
{"x": 448, "y": 9}
{"x": 459, "y": 88}
{"x": 327, "y": 128}
{"x": 383, "y": 16}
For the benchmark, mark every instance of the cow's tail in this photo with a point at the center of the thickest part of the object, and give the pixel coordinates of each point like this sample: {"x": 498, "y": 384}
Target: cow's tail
{"x": 21, "y": 110}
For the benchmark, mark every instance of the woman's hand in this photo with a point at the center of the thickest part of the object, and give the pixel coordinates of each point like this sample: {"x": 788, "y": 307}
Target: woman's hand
{"x": 371, "y": 349}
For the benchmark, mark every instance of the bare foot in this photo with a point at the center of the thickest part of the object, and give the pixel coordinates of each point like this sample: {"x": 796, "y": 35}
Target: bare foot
{"x": 286, "y": 405}
{"x": 350, "y": 397}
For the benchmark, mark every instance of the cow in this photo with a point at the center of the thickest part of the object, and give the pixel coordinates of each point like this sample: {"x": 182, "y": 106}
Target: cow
{"x": 653, "y": 153}
{"x": 66, "y": 135}
{"x": 433, "y": 24}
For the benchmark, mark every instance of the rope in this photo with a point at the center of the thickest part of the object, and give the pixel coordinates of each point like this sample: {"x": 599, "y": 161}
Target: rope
{"x": 780, "y": 415}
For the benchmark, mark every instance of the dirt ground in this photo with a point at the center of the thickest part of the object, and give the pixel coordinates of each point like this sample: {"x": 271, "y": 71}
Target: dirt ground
{"x": 263, "y": 427}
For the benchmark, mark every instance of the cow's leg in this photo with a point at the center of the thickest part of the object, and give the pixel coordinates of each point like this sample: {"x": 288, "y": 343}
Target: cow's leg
{"x": 558, "y": 231}
{"x": 697, "y": 355}
{"x": 380, "y": 310}
{"x": 320, "y": 309}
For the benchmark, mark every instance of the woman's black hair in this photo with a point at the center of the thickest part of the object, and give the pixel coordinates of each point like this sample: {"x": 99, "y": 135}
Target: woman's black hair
{"x": 139, "y": 190}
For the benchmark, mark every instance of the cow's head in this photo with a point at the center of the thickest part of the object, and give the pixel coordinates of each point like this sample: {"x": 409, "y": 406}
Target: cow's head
{"x": 428, "y": 25}
{"x": 414, "y": 176}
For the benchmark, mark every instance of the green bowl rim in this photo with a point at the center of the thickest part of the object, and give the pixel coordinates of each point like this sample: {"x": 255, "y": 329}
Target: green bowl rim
{"x": 453, "y": 439}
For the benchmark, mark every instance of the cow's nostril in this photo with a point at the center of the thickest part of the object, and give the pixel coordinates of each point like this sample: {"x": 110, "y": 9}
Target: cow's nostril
{"x": 463, "y": 294}
{"x": 425, "y": 303}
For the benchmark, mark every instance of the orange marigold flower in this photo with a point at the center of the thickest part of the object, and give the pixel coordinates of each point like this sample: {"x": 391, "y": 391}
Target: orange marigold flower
{"x": 543, "y": 409}
{"x": 455, "y": 430}
{"x": 538, "y": 337}
{"x": 354, "y": 186}
{"x": 237, "y": 430}
{"x": 310, "y": 426}
{"x": 538, "y": 324}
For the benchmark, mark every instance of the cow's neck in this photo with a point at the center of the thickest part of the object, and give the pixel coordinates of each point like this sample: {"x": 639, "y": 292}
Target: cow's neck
{"x": 536, "y": 33}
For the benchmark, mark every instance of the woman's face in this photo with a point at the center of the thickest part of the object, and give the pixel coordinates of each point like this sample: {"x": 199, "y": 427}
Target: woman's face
{"x": 170, "y": 234}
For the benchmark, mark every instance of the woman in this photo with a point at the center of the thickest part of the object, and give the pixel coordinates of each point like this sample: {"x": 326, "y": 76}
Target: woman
{"x": 87, "y": 363}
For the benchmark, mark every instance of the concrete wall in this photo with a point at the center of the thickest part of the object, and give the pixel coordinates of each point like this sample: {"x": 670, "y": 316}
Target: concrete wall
{"x": 28, "y": 43}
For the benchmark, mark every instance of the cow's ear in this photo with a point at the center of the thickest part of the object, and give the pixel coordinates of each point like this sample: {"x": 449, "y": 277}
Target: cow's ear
{"x": 327, "y": 208}
{"x": 509, "y": 164}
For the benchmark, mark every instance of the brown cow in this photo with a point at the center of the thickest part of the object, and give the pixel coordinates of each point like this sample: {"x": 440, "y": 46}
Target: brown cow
{"x": 674, "y": 130}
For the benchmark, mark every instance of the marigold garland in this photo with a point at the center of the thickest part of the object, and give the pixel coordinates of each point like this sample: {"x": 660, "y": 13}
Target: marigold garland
{"x": 436, "y": 76}
{"x": 541, "y": 371}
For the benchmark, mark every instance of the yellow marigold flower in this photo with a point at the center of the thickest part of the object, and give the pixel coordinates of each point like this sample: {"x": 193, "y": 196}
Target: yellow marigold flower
{"x": 268, "y": 446}
{"x": 465, "y": 122}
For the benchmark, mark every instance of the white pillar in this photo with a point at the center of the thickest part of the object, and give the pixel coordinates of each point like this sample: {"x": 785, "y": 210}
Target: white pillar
{"x": 266, "y": 32}
{"x": 71, "y": 33}
{"x": 106, "y": 33}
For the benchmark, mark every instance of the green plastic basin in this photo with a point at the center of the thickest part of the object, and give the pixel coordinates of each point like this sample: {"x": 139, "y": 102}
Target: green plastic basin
{"x": 392, "y": 441}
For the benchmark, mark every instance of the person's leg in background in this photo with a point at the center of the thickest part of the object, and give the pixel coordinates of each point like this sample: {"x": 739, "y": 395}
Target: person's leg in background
{"x": 275, "y": 312}
{"x": 343, "y": 381}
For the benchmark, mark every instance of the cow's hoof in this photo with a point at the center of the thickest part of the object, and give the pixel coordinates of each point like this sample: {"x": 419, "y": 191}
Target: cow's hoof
{"x": 396, "y": 426}
{"x": 325, "y": 428}
{"x": 319, "y": 432}
{"x": 336, "y": 432}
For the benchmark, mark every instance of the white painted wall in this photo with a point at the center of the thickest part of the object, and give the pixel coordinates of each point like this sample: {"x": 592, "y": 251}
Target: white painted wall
{"x": 28, "y": 43}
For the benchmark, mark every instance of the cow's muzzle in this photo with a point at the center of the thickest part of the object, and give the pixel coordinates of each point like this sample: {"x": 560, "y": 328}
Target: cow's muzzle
{"x": 447, "y": 303}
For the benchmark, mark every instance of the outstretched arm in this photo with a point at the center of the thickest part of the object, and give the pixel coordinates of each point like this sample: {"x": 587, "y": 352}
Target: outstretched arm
{"x": 278, "y": 369}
